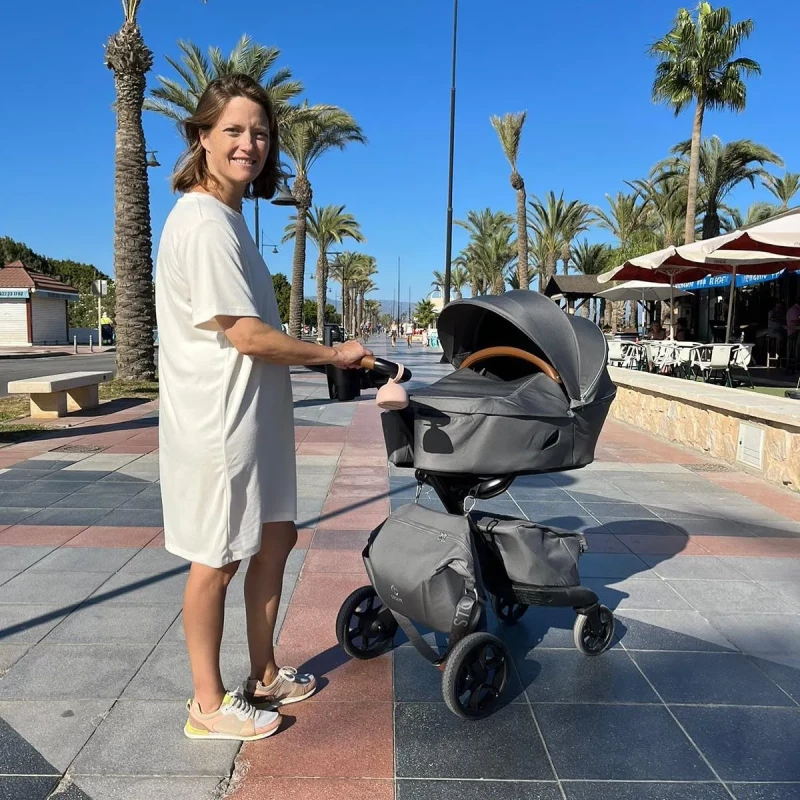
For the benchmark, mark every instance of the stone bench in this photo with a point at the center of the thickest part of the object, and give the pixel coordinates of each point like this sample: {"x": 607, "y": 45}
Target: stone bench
{"x": 54, "y": 395}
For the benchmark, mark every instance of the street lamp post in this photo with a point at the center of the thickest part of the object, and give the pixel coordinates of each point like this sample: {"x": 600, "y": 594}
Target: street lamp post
{"x": 283, "y": 197}
{"x": 449, "y": 240}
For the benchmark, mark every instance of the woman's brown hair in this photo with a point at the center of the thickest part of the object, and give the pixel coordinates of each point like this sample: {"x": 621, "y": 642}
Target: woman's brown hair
{"x": 192, "y": 169}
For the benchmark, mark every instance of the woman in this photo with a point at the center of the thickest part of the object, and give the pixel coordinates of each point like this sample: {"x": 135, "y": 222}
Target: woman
{"x": 226, "y": 429}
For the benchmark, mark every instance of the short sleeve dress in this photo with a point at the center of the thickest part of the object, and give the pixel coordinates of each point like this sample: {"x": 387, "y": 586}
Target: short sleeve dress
{"x": 226, "y": 426}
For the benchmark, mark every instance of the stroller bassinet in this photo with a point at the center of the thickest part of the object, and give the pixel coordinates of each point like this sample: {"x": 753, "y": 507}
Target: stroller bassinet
{"x": 530, "y": 392}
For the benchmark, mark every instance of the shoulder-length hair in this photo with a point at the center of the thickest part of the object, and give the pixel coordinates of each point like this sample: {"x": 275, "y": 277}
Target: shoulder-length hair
{"x": 192, "y": 168}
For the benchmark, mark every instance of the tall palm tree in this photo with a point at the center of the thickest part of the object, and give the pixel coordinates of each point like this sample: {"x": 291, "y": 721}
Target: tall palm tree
{"x": 731, "y": 218}
{"x": 593, "y": 259}
{"x": 326, "y": 225}
{"x": 722, "y": 168}
{"x": 304, "y": 142}
{"x": 372, "y": 308}
{"x": 697, "y": 64}
{"x": 346, "y": 268}
{"x": 130, "y": 59}
{"x": 509, "y": 131}
{"x": 491, "y": 249}
{"x": 577, "y": 219}
{"x": 627, "y": 215}
{"x": 459, "y": 278}
{"x": 784, "y": 188}
{"x": 665, "y": 199}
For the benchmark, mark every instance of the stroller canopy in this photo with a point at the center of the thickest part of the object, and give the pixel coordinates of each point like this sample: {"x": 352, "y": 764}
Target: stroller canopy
{"x": 574, "y": 346}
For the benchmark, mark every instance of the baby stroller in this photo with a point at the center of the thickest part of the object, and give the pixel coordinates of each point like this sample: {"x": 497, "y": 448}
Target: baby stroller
{"x": 529, "y": 394}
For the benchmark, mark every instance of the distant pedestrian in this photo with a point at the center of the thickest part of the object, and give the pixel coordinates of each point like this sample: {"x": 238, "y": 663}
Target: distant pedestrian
{"x": 226, "y": 429}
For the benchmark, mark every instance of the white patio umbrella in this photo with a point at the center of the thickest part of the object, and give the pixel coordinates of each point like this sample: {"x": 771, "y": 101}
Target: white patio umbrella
{"x": 643, "y": 292}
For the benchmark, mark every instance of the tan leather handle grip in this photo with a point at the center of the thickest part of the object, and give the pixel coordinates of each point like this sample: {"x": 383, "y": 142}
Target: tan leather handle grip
{"x": 368, "y": 362}
{"x": 510, "y": 352}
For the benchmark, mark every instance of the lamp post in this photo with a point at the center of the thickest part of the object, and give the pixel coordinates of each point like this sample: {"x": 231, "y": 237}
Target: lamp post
{"x": 449, "y": 240}
{"x": 152, "y": 161}
{"x": 283, "y": 197}
{"x": 268, "y": 243}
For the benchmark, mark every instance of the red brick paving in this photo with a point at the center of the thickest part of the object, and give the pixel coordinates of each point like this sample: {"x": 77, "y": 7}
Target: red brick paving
{"x": 314, "y": 789}
{"x": 39, "y": 535}
{"x": 109, "y": 536}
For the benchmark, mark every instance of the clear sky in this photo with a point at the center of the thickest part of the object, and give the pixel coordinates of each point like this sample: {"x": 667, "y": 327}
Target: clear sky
{"x": 580, "y": 69}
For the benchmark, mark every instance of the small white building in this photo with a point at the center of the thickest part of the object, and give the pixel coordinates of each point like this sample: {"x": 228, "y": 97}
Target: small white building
{"x": 33, "y": 307}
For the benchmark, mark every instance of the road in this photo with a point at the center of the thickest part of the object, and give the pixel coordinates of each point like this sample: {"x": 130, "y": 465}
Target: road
{"x": 12, "y": 369}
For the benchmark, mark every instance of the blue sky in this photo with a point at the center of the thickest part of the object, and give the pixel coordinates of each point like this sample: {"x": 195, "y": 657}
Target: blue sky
{"x": 580, "y": 69}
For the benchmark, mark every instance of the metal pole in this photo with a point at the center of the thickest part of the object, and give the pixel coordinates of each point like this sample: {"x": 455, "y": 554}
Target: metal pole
{"x": 449, "y": 246}
{"x": 99, "y": 322}
{"x": 731, "y": 300}
{"x": 398, "y": 293}
{"x": 255, "y": 225}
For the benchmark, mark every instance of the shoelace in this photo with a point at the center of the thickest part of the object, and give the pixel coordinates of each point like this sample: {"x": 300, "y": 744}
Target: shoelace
{"x": 241, "y": 707}
{"x": 288, "y": 674}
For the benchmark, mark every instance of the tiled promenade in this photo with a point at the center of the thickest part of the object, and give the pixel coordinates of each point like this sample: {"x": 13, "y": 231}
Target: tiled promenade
{"x": 698, "y": 699}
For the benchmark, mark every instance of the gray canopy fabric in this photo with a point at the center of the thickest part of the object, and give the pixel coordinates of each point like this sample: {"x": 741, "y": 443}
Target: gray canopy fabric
{"x": 574, "y": 346}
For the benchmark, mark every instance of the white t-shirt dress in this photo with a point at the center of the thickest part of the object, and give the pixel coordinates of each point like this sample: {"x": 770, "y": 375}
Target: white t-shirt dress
{"x": 226, "y": 422}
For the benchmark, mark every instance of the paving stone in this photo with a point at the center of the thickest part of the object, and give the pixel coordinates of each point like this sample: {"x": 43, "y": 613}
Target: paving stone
{"x": 20, "y": 474}
{"x": 569, "y": 676}
{"x": 109, "y": 624}
{"x": 27, "y": 787}
{"x": 143, "y": 500}
{"x": 152, "y": 560}
{"x": 766, "y": 791}
{"x": 728, "y": 596}
{"x": 431, "y": 742}
{"x": 759, "y": 634}
{"x": 68, "y": 476}
{"x": 766, "y": 740}
{"x": 235, "y": 630}
{"x": 57, "y": 729}
{"x": 669, "y": 630}
{"x": 35, "y": 587}
{"x": 146, "y": 738}
{"x": 93, "y": 499}
{"x": 784, "y": 670}
{"x": 29, "y": 623}
{"x": 66, "y": 516}
{"x": 709, "y": 678}
{"x": 612, "y": 565}
{"x": 132, "y": 518}
{"x": 409, "y": 789}
{"x": 19, "y": 558}
{"x": 48, "y": 486}
{"x": 636, "y": 592}
{"x": 588, "y": 790}
{"x": 136, "y": 589}
{"x": 27, "y": 499}
{"x": 142, "y": 788}
{"x": 102, "y": 462}
{"x": 13, "y": 516}
{"x": 765, "y": 569}
{"x": 65, "y": 672}
{"x": 618, "y": 742}
{"x": 19, "y": 757}
{"x": 85, "y": 559}
{"x": 706, "y": 567}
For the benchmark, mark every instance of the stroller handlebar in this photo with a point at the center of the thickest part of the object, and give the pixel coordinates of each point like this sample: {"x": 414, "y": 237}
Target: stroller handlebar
{"x": 384, "y": 367}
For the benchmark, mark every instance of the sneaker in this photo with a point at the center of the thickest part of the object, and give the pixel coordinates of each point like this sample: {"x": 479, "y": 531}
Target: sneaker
{"x": 290, "y": 686}
{"x": 234, "y": 719}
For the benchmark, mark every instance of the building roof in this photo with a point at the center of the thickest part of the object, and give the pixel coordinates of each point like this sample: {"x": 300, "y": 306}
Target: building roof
{"x": 17, "y": 276}
{"x": 575, "y": 285}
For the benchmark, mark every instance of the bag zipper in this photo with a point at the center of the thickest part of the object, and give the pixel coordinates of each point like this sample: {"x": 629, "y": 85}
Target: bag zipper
{"x": 434, "y": 532}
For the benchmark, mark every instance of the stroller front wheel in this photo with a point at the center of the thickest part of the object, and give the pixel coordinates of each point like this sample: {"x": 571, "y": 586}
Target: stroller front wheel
{"x": 508, "y": 612}
{"x": 365, "y": 628}
{"x": 593, "y": 642}
{"x": 475, "y": 675}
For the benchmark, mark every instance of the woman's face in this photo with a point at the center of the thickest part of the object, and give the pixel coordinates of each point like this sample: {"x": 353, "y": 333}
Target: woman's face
{"x": 237, "y": 146}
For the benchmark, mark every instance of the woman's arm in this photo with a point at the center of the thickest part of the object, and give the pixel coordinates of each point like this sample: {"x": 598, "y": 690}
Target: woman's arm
{"x": 252, "y": 337}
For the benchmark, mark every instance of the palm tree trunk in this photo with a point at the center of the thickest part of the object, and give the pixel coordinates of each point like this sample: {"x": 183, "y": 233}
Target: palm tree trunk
{"x": 322, "y": 284}
{"x": 302, "y": 193}
{"x": 694, "y": 172}
{"x": 130, "y": 59}
{"x": 522, "y": 240}
{"x": 360, "y": 310}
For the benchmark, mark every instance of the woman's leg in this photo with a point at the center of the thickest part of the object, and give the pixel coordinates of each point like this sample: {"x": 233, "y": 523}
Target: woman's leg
{"x": 262, "y": 596}
{"x": 203, "y": 617}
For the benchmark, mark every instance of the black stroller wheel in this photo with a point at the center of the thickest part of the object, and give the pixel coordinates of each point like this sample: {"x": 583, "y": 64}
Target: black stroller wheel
{"x": 475, "y": 675}
{"x": 593, "y": 643}
{"x": 365, "y": 628}
{"x": 508, "y": 612}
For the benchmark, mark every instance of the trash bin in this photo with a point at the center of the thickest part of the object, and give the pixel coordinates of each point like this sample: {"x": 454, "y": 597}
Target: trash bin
{"x": 343, "y": 384}
{"x": 332, "y": 334}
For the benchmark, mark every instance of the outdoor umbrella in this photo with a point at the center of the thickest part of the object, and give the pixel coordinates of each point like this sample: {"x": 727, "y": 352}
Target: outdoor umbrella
{"x": 644, "y": 292}
{"x": 779, "y": 235}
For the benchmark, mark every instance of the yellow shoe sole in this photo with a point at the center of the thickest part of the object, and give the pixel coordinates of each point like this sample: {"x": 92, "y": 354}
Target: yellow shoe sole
{"x": 198, "y": 733}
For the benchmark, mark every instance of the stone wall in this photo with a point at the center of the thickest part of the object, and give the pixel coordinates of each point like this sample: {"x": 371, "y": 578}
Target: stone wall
{"x": 696, "y": 416}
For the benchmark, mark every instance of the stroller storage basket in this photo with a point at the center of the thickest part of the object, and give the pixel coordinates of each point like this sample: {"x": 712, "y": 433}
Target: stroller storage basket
{"x": 532, "y": 554}
{"x": 422, "y": 563}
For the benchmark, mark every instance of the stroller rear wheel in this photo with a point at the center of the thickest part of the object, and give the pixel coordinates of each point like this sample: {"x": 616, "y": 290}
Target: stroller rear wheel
{"x": 592, "y": 641}
{"x": 475, "y": 675}
{"x": 365, "y": 628}
{"x": 508, "y": 612}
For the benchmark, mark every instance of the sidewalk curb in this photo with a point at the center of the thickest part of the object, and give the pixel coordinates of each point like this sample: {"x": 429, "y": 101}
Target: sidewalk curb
{"x": 4, "y": 356}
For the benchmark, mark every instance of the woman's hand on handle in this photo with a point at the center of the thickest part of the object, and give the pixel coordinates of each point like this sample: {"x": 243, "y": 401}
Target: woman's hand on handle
{"x": 349, "y": 354}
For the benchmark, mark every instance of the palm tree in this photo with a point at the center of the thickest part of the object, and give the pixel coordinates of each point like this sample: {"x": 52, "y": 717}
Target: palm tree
{"x": 304, "y": 142}
{"x": 626, "y": 216}
{"x": 665, "y": 199}
{"x": 731, "y": 219}
{"x": 509, "y": 131}
{"x": 697, "y": 64}
{"x": 593, "y": 259}
{"x": 130, "y": 59}
{"x": 347, "y": 268}
{"x": 326, "y": 226}
{"x": 784, "y": 188}
{"x": 491, "y": 249}
{"x": 459, "y": 278}
{"x": 424, "y": 313}
{"x": 372, "y": 308}
{"x": 178, "y": 99}
{"x": 722, "y": 168}
{"x": 577, "y": 219}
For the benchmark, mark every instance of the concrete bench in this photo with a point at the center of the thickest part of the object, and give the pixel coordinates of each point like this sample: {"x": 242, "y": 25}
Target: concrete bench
{"x": 54, "y": 395}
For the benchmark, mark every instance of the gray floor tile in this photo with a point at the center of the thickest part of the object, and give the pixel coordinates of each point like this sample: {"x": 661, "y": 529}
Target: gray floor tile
{"x": 18, "y": 757}
{"x": 636, "y": 593}
{"x": 135, "y": 589}
{"x": 235, "y": 630}
{"x": 618, "y": 742}
{"x": 758, "y": 634}
{"x": 65, "y": 672}
{"x": 75, "y": 476}
{"x": 146, "y": 738}
{"x": 152, "y": 560}
{"x": 110, "y": 624}
{"x": 28, "y": 499}
{"x": 669, "y": 630}
{"x": 476, "y": 790}
{"x": 431, "y": 742}
{"x": 766, "y": 791}
{"x": 10, "y": 654}
{"x": 93, "y": 499}
{"x": 166, "y": 674}
{"x": 27, "y": 787}
{"x": 19, "y": 474}
{"x": 611, "y": 565}
{"x": 645, "y": 527}
{"x": 66, "y": 516}
{"x": 29, "y": 623}
{"x": 7, "y": 574}
{"x": 85, "y": 559}
{"x": 765, "y": 569}
{"x": 53, "y": 486}
{"x": 728, "y": 596}
{"x": 788, "y": 591}
{"x": 709, "y": 678}
{"x": 143, "y": 500}
{"x": 587, "y": 790}
{"x": 120, "y": 477}
{"x": 570, "y": 677}
{"x": 58, "y": 729}
{"x": 132, "y": 518}
{"x": 14, "y": 516}
{"x": 140, "y": 788}
{"x": 612, "y": 512}
{"x": 784, "y": 670}
{"x": 537, "y": 509}
{"x": 712, "y": 526}
{"x": 766, "y": 740}
{"x": 19, "y": 558}
{"x": 37, "y": 587}
{"x": 706, "y": 567}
